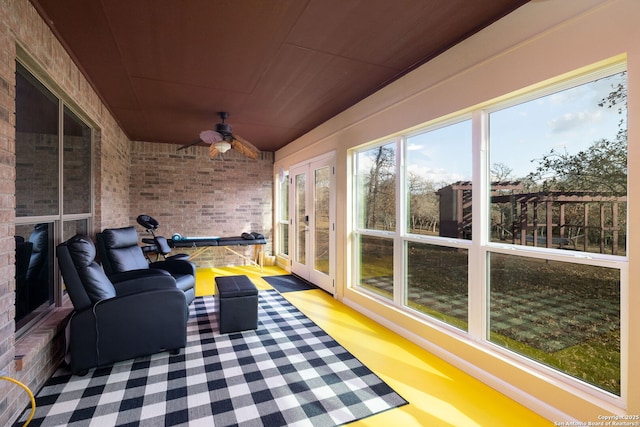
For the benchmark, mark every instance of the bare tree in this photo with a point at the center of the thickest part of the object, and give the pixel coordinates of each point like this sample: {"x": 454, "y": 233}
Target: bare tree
{"x": 424, "y": 211}
{"x": 380, "y": 197}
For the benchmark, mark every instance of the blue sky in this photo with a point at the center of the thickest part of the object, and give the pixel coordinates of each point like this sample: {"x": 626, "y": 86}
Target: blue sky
{"x": 569, "y": 121}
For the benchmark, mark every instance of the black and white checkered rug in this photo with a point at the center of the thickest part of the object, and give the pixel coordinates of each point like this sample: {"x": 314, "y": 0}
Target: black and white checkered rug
{"x": 287, "y": 372}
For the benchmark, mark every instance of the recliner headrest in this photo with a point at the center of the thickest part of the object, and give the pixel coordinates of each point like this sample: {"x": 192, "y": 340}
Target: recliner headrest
{"x": 92, "y": 278}
{"x": 82, "y": 250}
{"x": 116, "y": 238}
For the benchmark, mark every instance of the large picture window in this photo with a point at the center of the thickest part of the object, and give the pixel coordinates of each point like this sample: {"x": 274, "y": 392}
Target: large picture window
{"x": 53, "y": 191}
{"x": 560, "y": 166}
{"x": 535, "y": 229}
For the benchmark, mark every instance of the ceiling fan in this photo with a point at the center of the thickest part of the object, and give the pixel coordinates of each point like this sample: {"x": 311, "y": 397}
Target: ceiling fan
{"x": 222, "y": 140}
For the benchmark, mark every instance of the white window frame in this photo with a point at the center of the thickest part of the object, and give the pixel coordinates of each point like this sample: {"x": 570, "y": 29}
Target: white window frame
{"x": 480, "y": 245}
{"x": 483, "y": 246}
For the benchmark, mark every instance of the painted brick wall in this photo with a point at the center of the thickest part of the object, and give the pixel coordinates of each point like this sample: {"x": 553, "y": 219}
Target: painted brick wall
{"x": 192, "y": 195}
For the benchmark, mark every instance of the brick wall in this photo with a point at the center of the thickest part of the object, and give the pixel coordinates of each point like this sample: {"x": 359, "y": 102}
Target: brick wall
{"x": 7, "y": 244}
{"x": 111, "y": 173}
{"x": 185, "y": 191}
{"x": 8, "y": 405}
{"x": 24, "y": 34}
{"x": 190, "y": 194}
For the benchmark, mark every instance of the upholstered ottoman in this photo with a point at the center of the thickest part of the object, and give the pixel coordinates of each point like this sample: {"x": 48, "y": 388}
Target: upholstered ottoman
{"x": 237, "y": 304}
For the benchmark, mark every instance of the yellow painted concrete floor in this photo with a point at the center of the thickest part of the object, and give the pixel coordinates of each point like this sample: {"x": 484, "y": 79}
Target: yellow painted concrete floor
{"x": 438, "y": 393}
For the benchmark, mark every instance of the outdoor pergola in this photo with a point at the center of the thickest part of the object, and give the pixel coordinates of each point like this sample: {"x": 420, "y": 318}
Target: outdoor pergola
{"x": 523, "y": 224}
{"x": 532, "y": 219}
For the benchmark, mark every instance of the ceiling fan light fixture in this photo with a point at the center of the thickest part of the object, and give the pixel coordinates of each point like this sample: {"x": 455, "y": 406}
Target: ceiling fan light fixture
{"x": 222, "y": 146}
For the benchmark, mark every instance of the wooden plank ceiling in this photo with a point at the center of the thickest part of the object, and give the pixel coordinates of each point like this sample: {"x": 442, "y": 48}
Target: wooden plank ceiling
{"x": 165, "y": 68}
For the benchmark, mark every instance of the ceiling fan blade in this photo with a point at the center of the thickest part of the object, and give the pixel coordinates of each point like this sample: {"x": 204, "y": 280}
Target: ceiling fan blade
{"x": 244, "y": 147}
{"x": 191, "y": 144}
{"x": 210, "y": 136}
{"x": 245, "y": 142}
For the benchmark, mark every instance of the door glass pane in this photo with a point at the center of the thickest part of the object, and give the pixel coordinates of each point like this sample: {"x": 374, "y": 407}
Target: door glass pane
{"x": 284, "y": 238}
{"x": 376, "y": 178}
{"x": 77, "y": 165}
{"x": 437, "y": 278}
{"x": 559, "y": 169}
{"x": 36, "y": 147}
{"x": 301, "y": 219}
{"x": 564, "y": 315}
{"x": 283, "y": 235}
{"x": 321, "y": 219}
{"x": 376, "y": 265}
{"x": 439, "y": 182}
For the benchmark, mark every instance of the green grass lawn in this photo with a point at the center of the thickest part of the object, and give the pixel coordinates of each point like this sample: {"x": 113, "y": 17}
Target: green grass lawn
{"x": 587, "y": 347}
{"x": 596, "y": 361}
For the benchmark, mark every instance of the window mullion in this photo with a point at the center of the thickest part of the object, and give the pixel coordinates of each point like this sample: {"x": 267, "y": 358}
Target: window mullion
{"x": 480, "y": 213}
{"x": 59, "y": 224}
{"x": 399, "y": 258}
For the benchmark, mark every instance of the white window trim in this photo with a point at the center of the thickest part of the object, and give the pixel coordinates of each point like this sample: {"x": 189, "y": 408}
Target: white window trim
{"x": 480, "y": 244}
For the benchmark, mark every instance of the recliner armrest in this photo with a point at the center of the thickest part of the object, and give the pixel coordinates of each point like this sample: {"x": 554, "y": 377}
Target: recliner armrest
{"x": 141, "y": 304}
{"x": 175, "y": 266}
{"x": 137, "y": 274}
{"x": 138, "y": 282}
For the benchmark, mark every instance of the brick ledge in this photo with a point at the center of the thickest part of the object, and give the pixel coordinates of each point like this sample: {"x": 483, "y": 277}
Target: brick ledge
{"x": 29, "y": 346}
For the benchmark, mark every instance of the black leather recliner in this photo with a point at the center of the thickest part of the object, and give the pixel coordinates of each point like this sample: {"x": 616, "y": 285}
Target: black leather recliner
{"x": 115, "y": 321}
{"x": 119, "y": 253}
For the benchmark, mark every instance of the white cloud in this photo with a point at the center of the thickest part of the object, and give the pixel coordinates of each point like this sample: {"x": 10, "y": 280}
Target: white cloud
{"x": 437, "y": 175}
{"x": 570, "y": 121}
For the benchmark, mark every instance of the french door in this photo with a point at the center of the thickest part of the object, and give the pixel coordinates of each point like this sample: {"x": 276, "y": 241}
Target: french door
{"x": 312, "y": 205}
